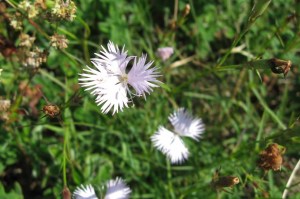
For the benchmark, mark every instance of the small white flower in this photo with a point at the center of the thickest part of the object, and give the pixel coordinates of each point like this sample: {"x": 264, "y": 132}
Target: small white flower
{"x": 109, "y": 81}
{"x": 86, "y": 192}
{"x": 117, "y": 189}
{"x": 185, "y": 125}
{"x": 170, "y": 143}
{"x": 164, "y": 53}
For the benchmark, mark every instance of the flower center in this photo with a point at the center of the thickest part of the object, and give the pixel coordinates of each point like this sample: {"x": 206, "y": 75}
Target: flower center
{"x": 123, "y": 78}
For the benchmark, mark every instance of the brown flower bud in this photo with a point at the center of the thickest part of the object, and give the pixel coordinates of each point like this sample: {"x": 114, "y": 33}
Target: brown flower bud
{"x": 173, "y": 24}
{"x": 51, "y": 110}
{"x": 280, "y": 66}
{"x": 220, "y": 182}
{"x": 66, "y": 193}
{"x": 186, "y": 10}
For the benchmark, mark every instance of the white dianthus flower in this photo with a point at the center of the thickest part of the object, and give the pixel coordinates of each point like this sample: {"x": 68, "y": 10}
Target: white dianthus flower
{"x": 115, "y": 189}
{"x": 109, "y": 81}
{"x": 170, "y": 143}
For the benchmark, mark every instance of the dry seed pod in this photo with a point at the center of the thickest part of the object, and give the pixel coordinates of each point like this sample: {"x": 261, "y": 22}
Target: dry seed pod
{"x": 271, "y": 157}
{"x": 66, "y": 193}
{"x": 51, "y": 110}
{"x": 220, "y": 182}
{"x": 226, "y": 181}
{"x": 279, "y": 66}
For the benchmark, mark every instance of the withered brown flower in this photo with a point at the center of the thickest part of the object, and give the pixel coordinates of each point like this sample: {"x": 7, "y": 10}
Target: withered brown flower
{"x": 51, "y": 110}
{"x": 271, "y": 157}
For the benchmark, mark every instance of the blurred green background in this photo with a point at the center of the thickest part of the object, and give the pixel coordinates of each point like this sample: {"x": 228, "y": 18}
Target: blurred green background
{"x": 243, "y": 110}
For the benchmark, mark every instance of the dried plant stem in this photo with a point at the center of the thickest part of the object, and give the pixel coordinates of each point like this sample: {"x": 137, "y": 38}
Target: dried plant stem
{"x": 297, "y": 167}
{"x": 175, "y": 10}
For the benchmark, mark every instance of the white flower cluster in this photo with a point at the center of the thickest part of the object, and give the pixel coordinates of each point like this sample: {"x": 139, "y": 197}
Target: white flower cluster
{"x": 113, "y": 84}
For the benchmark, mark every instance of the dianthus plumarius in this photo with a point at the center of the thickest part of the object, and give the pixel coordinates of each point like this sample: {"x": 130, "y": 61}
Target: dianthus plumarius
{"x": 115, "y": 189}
{"x": 116, "y": 77}
{"x": 170, "y": 143}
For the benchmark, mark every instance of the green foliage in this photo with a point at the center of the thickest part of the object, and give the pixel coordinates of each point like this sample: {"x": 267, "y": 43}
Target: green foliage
{"x": 15, "y": 193}
{"x": 243, "y": 113}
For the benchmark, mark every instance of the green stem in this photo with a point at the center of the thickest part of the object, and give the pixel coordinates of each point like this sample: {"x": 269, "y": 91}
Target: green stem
{"x": 260, "y": 130}
{"x": 258, "y": 9}
{"x": 235, "y": 42}
{"x": 87, "y": 33}
{"x": 169, "y": 176}
{"x": 65, "y": 156}
{"x": 267, "y": 108}
{"x": 258, "y": 64}
{"x": 12, "y": 4}
{"x": 276, "y": 65}
{"x": 54, "y": 79}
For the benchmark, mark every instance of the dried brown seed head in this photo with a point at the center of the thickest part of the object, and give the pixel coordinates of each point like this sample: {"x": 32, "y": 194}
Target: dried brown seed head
{"x": 26, "y": 40}
{"x": 64, "y": 10}
{"x": 51, "y": 110}
{"x": 4, "y": 105}
{"x": 59, "y": 41}
{"x": 271, "y": 157}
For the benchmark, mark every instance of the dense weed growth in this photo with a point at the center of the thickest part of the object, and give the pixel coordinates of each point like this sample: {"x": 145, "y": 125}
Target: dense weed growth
{"x": 232, "y": 66}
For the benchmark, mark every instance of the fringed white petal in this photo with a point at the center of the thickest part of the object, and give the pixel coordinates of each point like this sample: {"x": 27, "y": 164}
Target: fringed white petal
{"x": 84, "y": 192}
{"x": 170, "y": 144}
{"x": 185, "y": 125}
{"x": 141, "y": 77}
{"x": 117, "y": 189}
